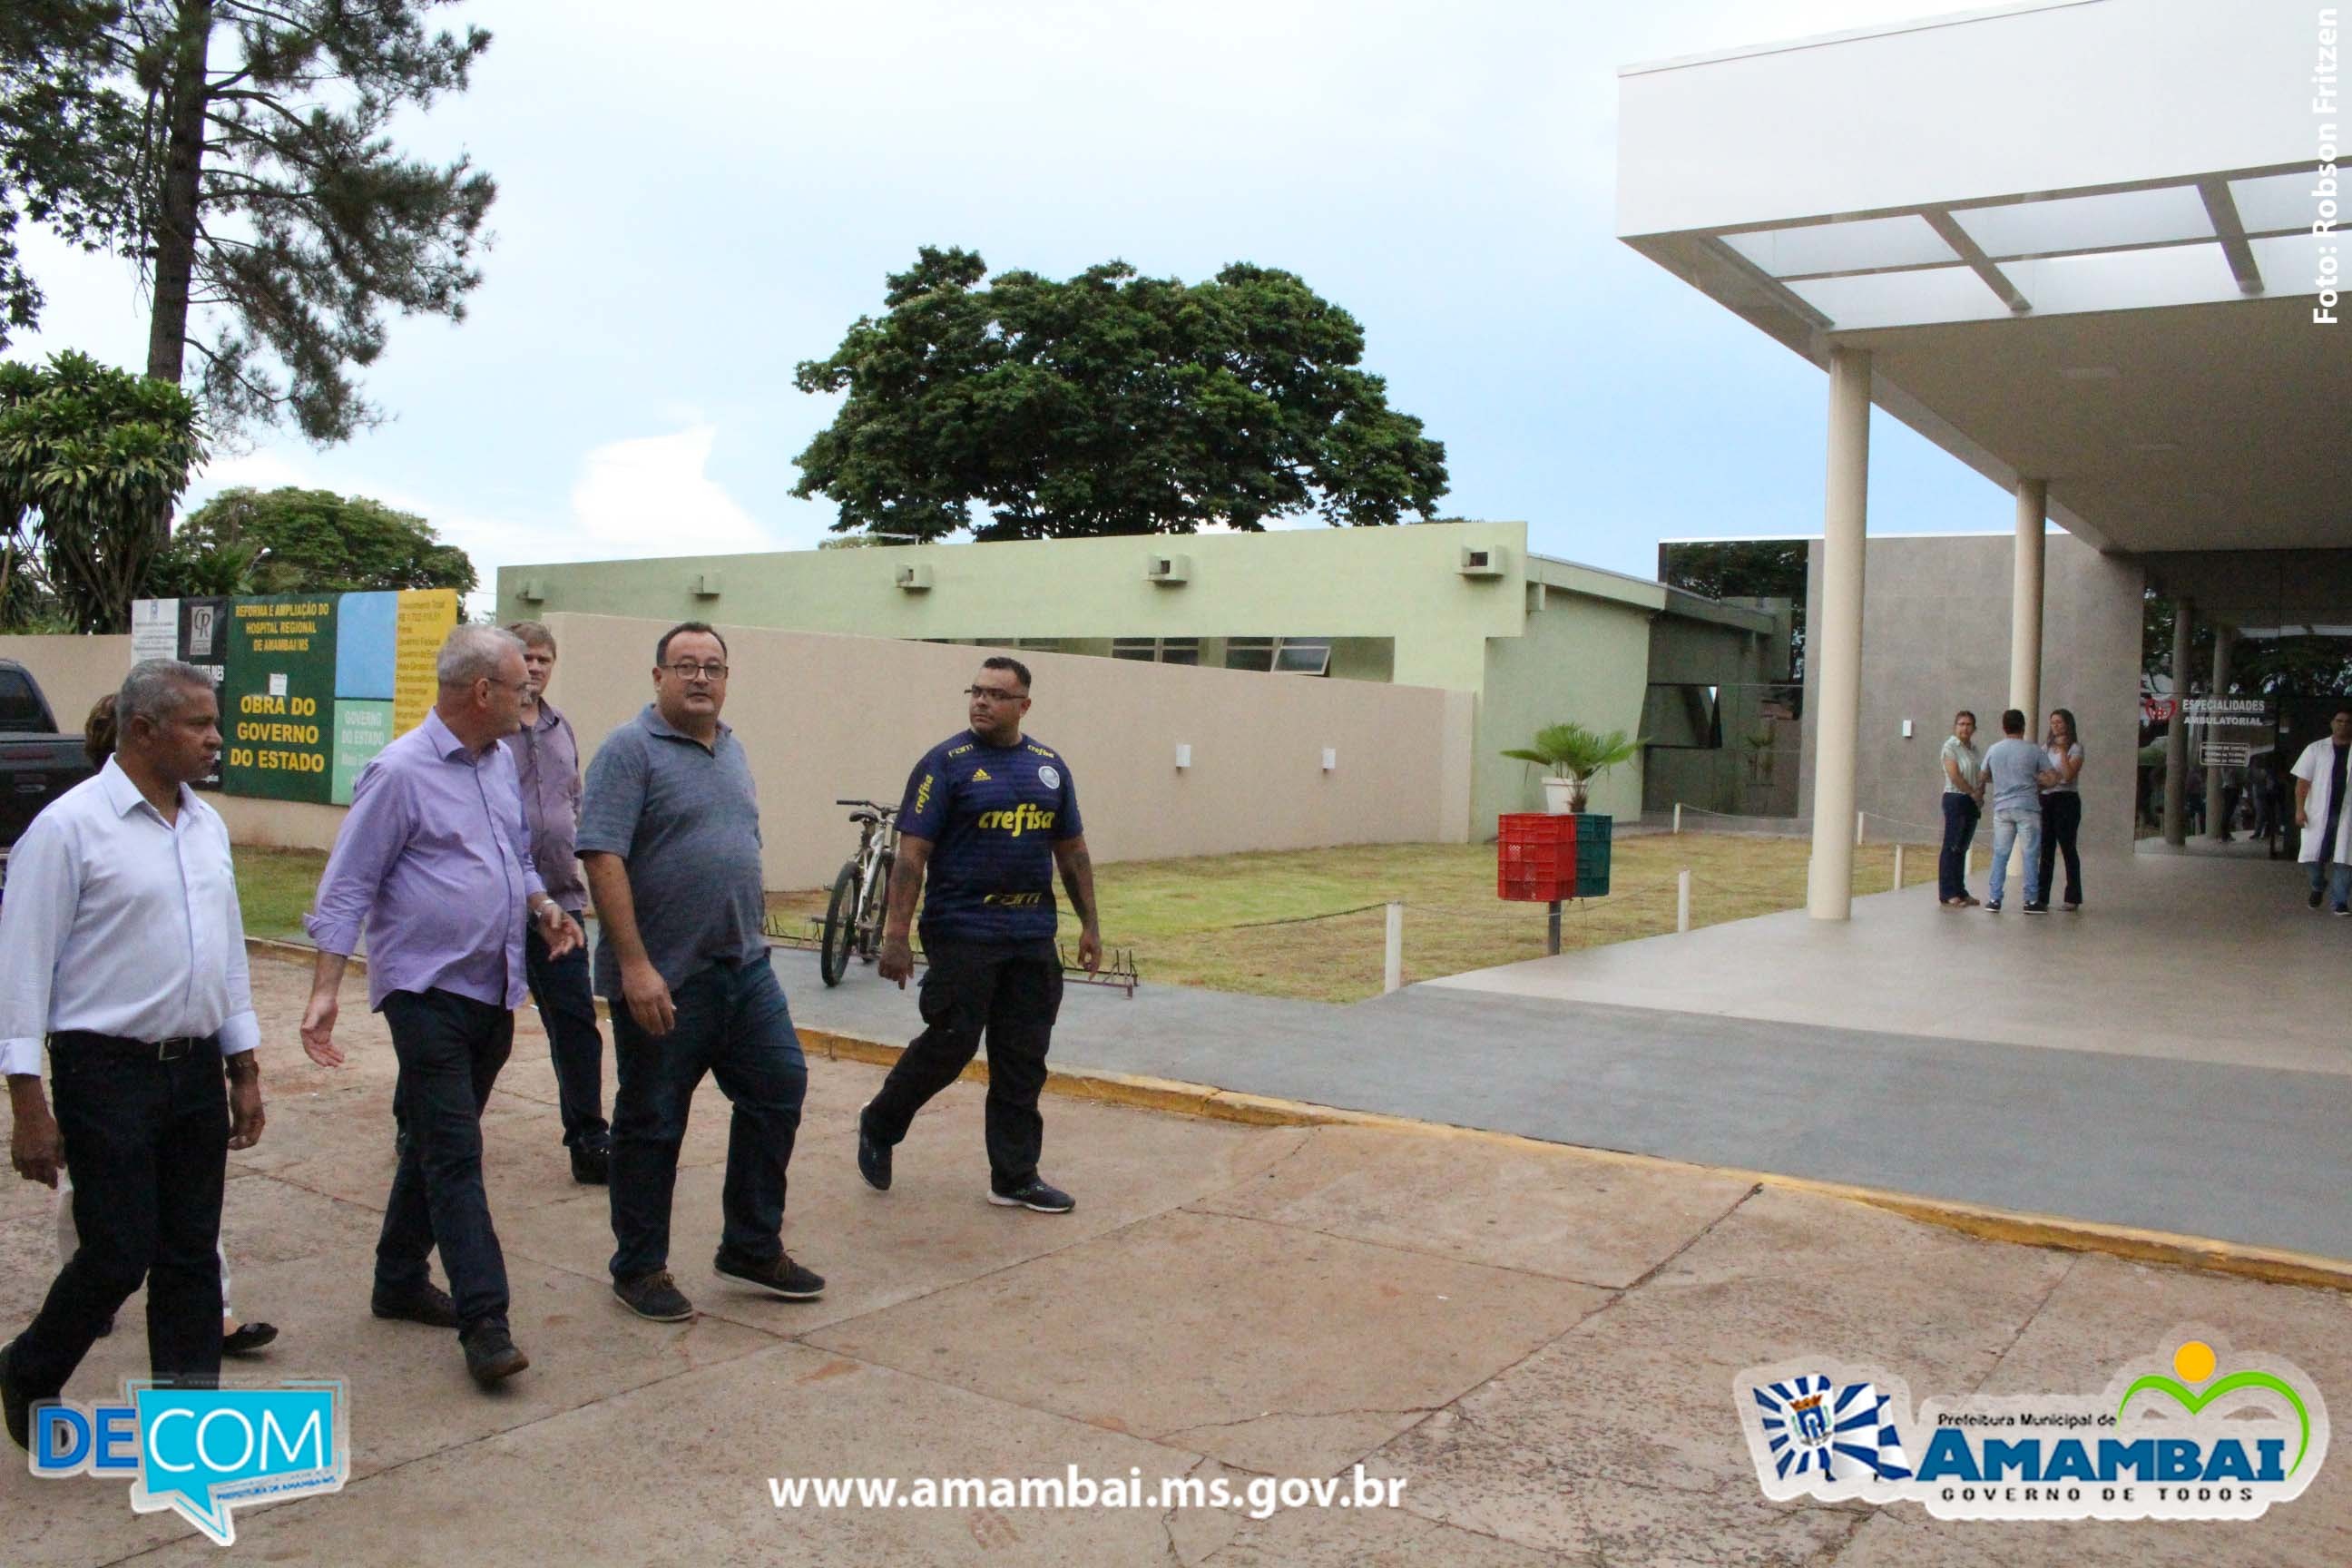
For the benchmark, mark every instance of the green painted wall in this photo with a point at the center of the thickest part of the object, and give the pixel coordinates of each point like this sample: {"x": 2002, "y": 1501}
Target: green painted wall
{"x": 1339, "y": 582}
{"x": 1582, "y": 658}
{"x": 1543, "y": 641}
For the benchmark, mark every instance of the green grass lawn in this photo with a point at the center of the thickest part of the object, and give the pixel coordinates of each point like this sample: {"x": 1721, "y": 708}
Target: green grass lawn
{"x": 1268, "y": 923}
{"x": 1200, "y": 921}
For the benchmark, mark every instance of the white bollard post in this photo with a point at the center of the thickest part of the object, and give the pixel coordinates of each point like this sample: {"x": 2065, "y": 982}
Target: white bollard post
{"x": 1860, "y": 818}
{"x": 1394, "y": 969}
{"x": 1682, "y": 902}
{"x": 1899, "y": 868}
{"x": 1678, "y": 816}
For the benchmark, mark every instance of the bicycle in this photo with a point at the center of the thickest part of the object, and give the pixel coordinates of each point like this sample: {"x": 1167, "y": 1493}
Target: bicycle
{"x": 861, "y": 893}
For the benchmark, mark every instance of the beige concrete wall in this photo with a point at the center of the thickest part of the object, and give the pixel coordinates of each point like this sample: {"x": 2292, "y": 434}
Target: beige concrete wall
{"x": 826, "y": 716}
{"x": 74, "y": 672}
{"x": 1935, "y": 638}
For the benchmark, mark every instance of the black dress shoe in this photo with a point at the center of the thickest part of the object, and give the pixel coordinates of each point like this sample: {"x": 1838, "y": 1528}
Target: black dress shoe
{"x": 873, "y": 1157}
{"x": 591, "y": 1164}
{"x": 491, "y": 1355}
{"x": 427, "y": 1304}
{"x": 248, "y": 1338}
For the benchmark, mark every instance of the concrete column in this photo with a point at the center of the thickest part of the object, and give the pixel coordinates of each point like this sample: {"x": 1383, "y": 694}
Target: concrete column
{"x": 2214, "y": 827}
{"x": 2176, "y": 737}
{"x": 2025, "y": 604}
{"x": 1833, "y": 637}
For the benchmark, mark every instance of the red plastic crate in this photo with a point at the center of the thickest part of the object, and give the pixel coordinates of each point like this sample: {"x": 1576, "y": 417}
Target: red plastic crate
{"x": 1535, "y": 857}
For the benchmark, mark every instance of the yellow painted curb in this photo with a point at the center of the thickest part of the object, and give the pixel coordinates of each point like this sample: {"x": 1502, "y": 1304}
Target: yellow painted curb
{"x": 2270, "y": 1265}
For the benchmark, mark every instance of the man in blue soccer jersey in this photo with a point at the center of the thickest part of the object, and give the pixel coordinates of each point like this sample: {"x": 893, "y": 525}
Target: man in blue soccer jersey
{"x": 989, "y": 814}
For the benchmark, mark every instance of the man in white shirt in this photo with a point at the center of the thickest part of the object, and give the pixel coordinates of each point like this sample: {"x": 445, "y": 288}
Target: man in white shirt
{"x": 121, "y": 945}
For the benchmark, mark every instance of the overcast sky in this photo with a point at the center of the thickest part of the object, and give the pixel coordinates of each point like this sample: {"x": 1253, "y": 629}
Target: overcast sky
{"x": 696, "y": 196}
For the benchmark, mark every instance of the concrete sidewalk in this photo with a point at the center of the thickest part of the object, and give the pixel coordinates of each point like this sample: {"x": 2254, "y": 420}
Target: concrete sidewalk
{"x": 2231, "y": 1149}
{"x": 1538, "y": 1341}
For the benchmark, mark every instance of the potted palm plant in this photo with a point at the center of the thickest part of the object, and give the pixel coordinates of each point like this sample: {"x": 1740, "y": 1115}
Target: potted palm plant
{"x": 1574, "y": 755}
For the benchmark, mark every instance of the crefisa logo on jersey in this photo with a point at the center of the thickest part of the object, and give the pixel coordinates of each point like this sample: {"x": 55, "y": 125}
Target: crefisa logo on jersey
{"x": 2192, "y": 1430}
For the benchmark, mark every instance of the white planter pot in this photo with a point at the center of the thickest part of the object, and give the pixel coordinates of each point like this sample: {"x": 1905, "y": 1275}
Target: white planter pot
{"x": 1563, "y": 798}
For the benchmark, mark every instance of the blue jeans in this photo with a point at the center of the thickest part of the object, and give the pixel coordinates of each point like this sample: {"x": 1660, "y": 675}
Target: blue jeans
{"x": 732, "y": 1024}
{"x": 1961, "y": 814}
{"x": 2007, "y": 828}
{"x": 2336, "y": 878}
{"x": 450, "y": 1049}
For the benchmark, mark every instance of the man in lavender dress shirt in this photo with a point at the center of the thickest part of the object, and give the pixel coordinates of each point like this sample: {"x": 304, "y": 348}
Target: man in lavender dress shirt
{"x": 435, "y": 861}
{"x": 547, "y": 764}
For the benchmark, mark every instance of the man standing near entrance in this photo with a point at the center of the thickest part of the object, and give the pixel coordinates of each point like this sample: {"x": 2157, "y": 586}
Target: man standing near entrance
{"x": 2323, "y": 809}
{"x": 989, "y": 814}
{"x": 435, "y": 862}
{"x": 122, "y": 945}
{"x": 2016, "y": 772}
{"x": 670, "y": 836}
{"x": 547, "y": 767}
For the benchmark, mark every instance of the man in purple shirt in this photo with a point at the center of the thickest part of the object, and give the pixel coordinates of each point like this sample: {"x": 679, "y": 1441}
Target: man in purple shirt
{"x": 433, "y": 860}
{"x": 546, "y": 765}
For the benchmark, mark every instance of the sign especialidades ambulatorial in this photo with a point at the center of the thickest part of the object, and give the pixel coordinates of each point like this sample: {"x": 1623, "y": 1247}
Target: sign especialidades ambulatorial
{"x": 201, "y": 1452}
{"x": 2193, "y": 1432}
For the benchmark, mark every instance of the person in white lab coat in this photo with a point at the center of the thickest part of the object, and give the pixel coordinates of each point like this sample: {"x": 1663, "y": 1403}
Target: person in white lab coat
{"x": 2323, "y": 809}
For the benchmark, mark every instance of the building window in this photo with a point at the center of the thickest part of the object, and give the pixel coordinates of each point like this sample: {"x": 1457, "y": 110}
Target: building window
{"x": 1303, "y": 656}
{"x": 1157, "y": 650}
{"x": 1287, "y": 656}
{"x": 1249, "y": 653}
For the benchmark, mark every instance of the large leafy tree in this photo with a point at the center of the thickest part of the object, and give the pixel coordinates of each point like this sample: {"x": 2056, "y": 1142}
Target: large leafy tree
{"x": 1108, "y": 404}
{"x": 88, "y": 457}
{"x": 239, "y": 151}
{"x": 303, "y": 542}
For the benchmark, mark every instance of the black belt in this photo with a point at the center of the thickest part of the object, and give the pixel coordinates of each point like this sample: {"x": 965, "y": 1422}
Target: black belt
{"x": 176, "y": 1048}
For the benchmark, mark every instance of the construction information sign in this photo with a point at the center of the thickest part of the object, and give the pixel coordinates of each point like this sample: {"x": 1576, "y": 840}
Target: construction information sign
{"x": 277, "y": 699}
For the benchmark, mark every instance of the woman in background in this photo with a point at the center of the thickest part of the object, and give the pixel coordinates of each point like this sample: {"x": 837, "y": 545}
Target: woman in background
{"x": 2061, "y": 807}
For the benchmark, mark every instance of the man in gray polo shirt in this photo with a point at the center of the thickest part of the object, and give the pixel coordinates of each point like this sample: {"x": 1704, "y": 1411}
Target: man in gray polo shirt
{"x": 669, "y": 834}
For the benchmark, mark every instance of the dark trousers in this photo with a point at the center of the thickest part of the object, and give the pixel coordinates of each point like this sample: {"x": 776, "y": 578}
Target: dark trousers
{"x": 567, "y": 1010}
{"x": 450, "y": 1049}
{"x": 1009, "y": 992}
{"x": 732, "y": 1024}
{"x": 148, "y": 1145}
{"x": 1961, "y": 814}
{"x": 2062, "y": 823}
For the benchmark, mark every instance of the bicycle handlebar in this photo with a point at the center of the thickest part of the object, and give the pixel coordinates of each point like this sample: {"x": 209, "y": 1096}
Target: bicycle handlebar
{"x": 877, "y": 806}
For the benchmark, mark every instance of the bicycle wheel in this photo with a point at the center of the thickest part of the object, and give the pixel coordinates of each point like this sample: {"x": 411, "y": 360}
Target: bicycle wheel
{"x": 840, "y": 927}
{"x": 877, "y": 905}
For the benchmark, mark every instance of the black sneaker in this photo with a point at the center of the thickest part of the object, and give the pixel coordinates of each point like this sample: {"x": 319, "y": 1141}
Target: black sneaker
{"x": 1992, "y": 906}
{"x": 654, "y": 1297}
{"x": 2041, "y": 908}
{"x": 427, "y": 1304}
{"x": 2313, "y": 902}
{"x": 780, "y": 1276}
{"x": 873, "y": 1157}
{"x": 591, "y": 1164}
{"x": 16, "y": 1405}
{"x": 491, "y": 1355}
{"x": 1034, "y": 1194}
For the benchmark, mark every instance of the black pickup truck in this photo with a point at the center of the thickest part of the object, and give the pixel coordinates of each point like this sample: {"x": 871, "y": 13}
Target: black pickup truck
{"x": 37, "y": 763}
